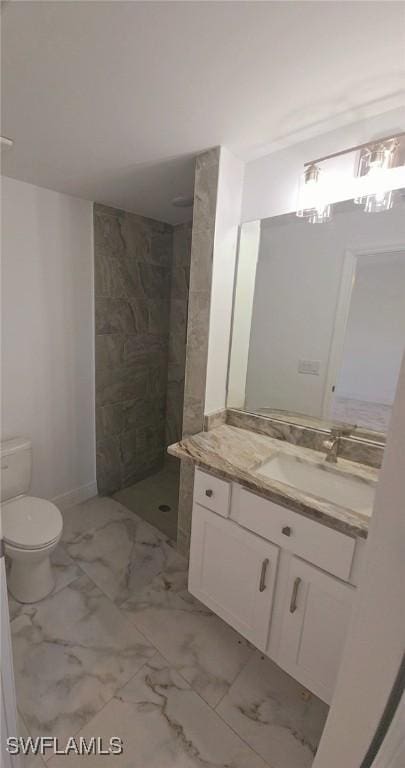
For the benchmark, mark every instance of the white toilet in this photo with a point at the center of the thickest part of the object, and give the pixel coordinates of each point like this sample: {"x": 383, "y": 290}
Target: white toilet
{"x": 32, "y": 527}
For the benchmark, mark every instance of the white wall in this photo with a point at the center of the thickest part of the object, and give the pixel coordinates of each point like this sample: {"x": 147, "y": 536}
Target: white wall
{"x": 376, "y": 638}
{"x": 271, "y": 182}
{"x": 375, "y": 330}
{"x": 297, "y": 286}
{"x": 227, "y": 219}
{"x": 48, "y": 335}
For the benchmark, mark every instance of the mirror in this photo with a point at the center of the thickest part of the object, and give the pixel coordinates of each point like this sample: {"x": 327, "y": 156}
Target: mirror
{"x": 319, "y": 318}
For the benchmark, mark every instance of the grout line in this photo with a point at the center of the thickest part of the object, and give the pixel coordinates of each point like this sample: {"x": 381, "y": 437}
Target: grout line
{"x": 218, "y": 714}
{"x": 207, "y": 704}
{"x": 212, "y": 708}
{"x": 238, "y": 674}
{"x": 114, "y": 695}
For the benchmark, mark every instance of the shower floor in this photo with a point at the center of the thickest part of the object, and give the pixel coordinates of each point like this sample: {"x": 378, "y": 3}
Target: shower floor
{"x": 147, "y": 496}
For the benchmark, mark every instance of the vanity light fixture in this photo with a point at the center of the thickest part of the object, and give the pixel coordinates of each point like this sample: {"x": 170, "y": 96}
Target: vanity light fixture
{"x": 373, "y": 183}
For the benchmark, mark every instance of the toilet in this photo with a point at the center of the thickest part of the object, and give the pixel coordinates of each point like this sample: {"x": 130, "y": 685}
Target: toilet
{"x": 31, "y": 527}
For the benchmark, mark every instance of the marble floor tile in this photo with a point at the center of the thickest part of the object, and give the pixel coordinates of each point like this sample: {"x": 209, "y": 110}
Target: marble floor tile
{"x": 87, "y": 666}
{"x": 72, "y": 651}
{"x": 265, "y": 706}
{"x": 122, "y": 555}
{"x": 164, "y": 724}
{"x": 206, "y": 651}
{"x": 166, "y": 590}
{"x": 65, "y": 570}
{"x": 83, "y": 519}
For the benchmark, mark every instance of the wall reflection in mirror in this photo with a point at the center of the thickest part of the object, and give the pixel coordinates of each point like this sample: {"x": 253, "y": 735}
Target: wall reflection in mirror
{"x": 319, "y": 318}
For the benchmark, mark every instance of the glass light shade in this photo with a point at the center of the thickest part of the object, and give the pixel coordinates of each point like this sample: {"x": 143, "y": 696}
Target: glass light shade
{"x": 312, "y": 203}
{"x": 379, "y": 202}
{"x": 320, "y": 214}
{"x": 362, "y": 171}
{"x": 374, "y": 165}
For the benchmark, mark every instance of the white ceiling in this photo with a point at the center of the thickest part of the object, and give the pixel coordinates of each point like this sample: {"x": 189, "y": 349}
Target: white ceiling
{"x": 112, "y": 100}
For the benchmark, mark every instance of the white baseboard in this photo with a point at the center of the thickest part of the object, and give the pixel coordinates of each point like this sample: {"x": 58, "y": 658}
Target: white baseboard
{"x": 76, "y": 496}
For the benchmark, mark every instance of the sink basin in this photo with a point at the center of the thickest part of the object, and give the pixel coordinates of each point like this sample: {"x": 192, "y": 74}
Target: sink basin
{"x": 322, "y": 481}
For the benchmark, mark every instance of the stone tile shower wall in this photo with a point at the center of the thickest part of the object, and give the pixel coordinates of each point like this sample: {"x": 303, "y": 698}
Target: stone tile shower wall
{"x": 202, "y": 247}
{"x": 133, "y": 261}
{"x": 178, "y": 331}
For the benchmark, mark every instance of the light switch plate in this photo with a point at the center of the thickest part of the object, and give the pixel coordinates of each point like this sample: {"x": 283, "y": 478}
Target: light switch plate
{"x": 311, "y": 367}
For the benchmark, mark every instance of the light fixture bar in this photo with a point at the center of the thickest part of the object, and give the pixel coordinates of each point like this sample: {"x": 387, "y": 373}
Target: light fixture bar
{"x": 355, "y": 148}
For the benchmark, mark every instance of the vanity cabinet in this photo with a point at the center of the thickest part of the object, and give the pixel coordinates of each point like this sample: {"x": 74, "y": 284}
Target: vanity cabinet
{"x": 262, "y": 581}
{"x": 314, "y": 625}
{"x": 233, "y": 572}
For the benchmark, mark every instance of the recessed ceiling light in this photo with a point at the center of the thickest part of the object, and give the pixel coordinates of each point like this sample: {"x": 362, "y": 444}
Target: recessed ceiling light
{"x": 181, "y": 201}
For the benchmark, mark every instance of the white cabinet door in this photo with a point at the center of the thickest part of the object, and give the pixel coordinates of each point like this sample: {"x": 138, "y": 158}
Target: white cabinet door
{"x": 315, "y": 621}
{"x": 233, "y": 572}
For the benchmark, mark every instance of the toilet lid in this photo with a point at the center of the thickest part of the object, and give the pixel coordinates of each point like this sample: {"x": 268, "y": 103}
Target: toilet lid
{"x": 30, "y": 523}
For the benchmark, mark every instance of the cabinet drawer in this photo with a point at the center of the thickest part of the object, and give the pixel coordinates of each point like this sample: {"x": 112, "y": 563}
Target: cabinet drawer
{"x": 329, "y": 549}
{"x": 212, "y": 493}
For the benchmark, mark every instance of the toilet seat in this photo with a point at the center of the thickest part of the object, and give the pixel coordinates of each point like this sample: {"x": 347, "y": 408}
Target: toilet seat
{"x": 30, "y": 523}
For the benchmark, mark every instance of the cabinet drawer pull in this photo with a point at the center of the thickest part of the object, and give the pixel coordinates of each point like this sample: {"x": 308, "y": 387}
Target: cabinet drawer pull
{"x": 286, "y": 530}
{"x": 262, "y": 586}
{"x": 293, "y": 603}
{"x": 209, "y": 492}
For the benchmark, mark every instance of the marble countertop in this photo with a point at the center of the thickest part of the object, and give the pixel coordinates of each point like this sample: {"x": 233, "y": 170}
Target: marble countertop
{"x": 236, "y": 454}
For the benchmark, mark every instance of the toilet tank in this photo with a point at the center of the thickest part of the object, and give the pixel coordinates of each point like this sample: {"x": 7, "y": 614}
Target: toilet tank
{"x": 16, "y": 462}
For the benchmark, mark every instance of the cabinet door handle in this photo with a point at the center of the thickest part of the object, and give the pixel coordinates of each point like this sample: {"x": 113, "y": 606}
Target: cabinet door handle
{"x": 293, "y": 602}
{"x": 209, "y": 492}
{"x": 286, "y": 530}
{"x": 263, "y": 572}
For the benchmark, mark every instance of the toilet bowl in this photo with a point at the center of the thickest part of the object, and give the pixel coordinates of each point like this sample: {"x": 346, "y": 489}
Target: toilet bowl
{"x": 32, "y": 527}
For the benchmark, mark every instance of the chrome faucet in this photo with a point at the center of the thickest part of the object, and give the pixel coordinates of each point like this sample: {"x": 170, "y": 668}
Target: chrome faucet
{"x": 333, "y": 444}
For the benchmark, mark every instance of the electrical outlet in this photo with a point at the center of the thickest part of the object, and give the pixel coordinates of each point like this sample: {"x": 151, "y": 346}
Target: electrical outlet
{"x": 311, "y": 367}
